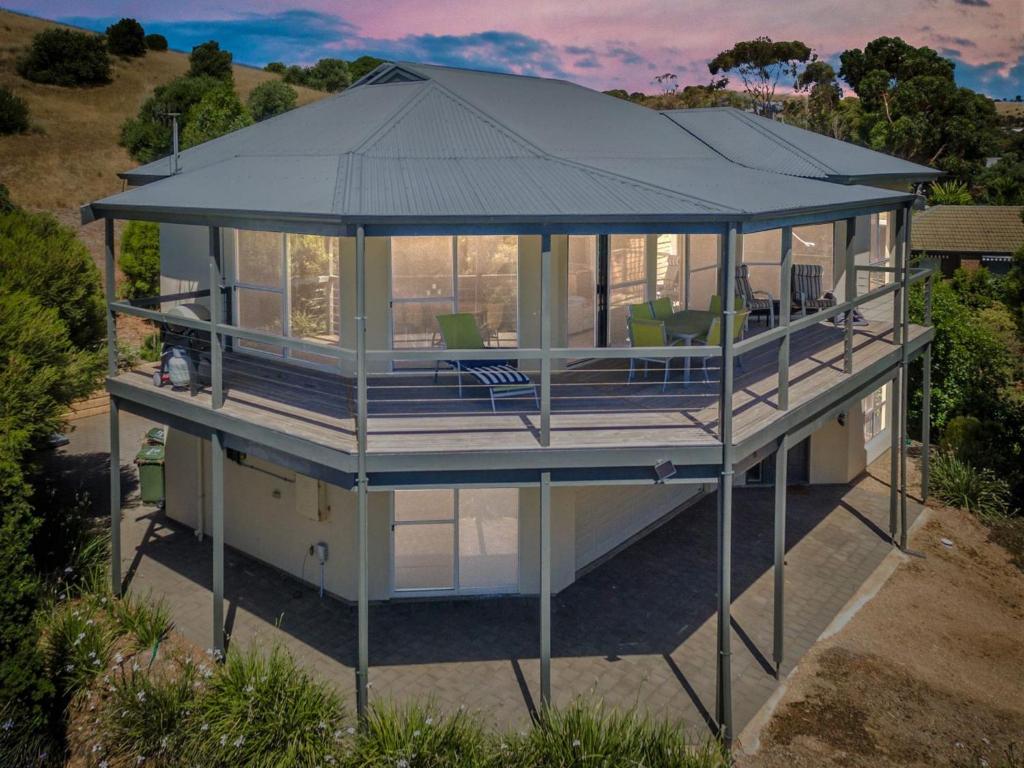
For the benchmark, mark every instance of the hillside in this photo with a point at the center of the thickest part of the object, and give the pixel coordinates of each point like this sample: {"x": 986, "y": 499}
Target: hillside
{"x": 73, "y": 156}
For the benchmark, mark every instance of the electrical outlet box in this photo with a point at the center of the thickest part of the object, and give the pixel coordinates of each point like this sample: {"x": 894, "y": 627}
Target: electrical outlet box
{"x": 321, "y": 551}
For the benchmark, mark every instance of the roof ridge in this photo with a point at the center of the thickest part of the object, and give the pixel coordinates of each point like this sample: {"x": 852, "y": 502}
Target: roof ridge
{"x": 388, "y": 121}
{"x": 752, "y": 121}
{"x": 581, "y": 165}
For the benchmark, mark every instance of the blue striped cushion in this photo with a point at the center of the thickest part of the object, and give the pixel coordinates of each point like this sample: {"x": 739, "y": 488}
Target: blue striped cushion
{"x": 498, "y": 375}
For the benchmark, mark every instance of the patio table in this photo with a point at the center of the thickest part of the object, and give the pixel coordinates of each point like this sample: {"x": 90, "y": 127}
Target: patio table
{"x": 685, "y": 326}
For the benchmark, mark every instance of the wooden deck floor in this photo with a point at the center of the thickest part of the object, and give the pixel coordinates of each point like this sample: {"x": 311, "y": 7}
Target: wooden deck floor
{"x": 592, "y": 404}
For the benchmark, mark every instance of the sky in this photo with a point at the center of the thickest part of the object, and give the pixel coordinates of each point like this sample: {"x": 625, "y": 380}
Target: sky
{"x": 597, "y": 43}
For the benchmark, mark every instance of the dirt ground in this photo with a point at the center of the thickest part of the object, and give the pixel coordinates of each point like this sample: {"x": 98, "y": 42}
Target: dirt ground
{"x": 929, "y": 673}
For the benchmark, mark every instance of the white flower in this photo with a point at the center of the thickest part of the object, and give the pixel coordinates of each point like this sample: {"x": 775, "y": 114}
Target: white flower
{"x": 89, "y": 622}
{"x": 204, "y": 727}
{"x": 223, "y": 740}
{"x": 136, "y": 667}
{"x": 104, "y": 764}
{"x": 415, "y": 733}
{"x": 69, "y": 569}
{"x": 141, "y": 695}
{"x": 239, "y": 741}
{"x": 118, "y": 658}
{"x": 69, "y": 668}
{"x": 8, "y": 724}
{"x": 402, "y": 764}
{"x": 575, "y": 742}
{"x": 429, "y": 721}
{"x": 140, "y": 760}
{"x": 351, "y": 730}
{"x": 249, "y": 688}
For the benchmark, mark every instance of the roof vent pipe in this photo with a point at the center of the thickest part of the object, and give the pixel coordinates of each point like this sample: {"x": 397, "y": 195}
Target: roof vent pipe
{"x": 175, "y": 154}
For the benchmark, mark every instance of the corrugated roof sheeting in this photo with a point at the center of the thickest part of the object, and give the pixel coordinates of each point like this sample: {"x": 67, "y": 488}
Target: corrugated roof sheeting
{"x": 475, "y": 145}
{"x": 770, "y": 145}
{"x": 981, "y": 229}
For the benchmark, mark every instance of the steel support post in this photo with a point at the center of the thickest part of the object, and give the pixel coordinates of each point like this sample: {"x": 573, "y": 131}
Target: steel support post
{"x": 926, "y": 395}
{"x": 545, "y": 589}
{"x": 895, "y": 418}
{"x": 545, "y": 340}
{"x": 110, "y": 283}
{"x": 781, "y": 465}
{"x": 217, "y": 529}
{"x": 363, "y": 586}
{"x": 727, "y": 281}
{"x": 216, "y": 318}
{"x": 905, "y": 375}
{"x": 785, "y": 306}
{"x": 850, "y": 292}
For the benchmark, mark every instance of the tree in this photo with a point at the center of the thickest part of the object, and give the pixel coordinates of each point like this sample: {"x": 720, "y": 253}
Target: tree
{"x": 271, "y": 98}
{"x": 219, "y": 111}
{"x": 950, "y": 192}
{"x": 156, "y": 42}
{"x": 126, "y": 38}
{"x": 277, "y": 67}
{"x": 65, "y": 57}
{"x": 364, "y": 65}
{"x": 140, "y": 259}
{"x": 761, "y": 63}
{"x": 13, "y": 112}
{"x": 326, "y": 75}
{"x": 824, "y": 96}
{"x": 912, "y": 107}
{"x": 209, "y": 60}
{"x": 147, "y": 136}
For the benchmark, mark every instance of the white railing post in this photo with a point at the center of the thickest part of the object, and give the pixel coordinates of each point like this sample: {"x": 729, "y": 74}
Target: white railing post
{"x": 362, "y": 410}
{"x": 850, "y": 292}
{"x": 545, "y": 340}
{"x": 216, "y": 311}
{"x": 785, "y": 305}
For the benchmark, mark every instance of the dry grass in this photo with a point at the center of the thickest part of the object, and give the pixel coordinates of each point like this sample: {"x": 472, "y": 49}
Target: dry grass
{"x": 72, "y": 155}
{"x": 1010, "y": 108}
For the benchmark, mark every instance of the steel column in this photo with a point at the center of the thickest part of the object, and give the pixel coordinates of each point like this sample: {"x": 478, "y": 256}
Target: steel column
{"x": 686, "y": 271}
{"x": 216, "y": 317}
{"x": 785, "y": 305}
{"x": 895, "y": 402}
{"x": 545, "y": 589}
{"x": 110, "y": 282}
{"x": 217, "y": 529}
{"x": 727, "y": 281}
{"x": 115, "y": 496}
{"x": 545, "y": 340}
{"x": 926, "y": 394}
{"x": 781, "y": 465}
{"x": 363, "y": 585}
{"x": 904, "y": 374}
{"x": 850, "y": 292}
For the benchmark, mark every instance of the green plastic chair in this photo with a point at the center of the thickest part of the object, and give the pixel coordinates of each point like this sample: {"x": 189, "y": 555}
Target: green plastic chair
{"x": 713, "y": 338}
{"x": 641, "y": 311}
{"x": 662, "y": 308}
{"x": 648, "y": 333}
{"x": 460, "y": 331}
{"x": 716, "y": 304}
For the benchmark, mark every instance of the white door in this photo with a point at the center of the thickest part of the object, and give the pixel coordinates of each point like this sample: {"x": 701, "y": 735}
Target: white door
{"x": 449, "y": 541}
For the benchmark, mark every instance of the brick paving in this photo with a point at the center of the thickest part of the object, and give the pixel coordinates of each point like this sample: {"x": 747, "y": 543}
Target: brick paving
{"x": 637, "y": 630}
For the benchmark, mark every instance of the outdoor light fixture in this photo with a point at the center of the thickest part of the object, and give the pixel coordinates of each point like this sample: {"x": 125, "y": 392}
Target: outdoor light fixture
{"x": 663, "y": 470}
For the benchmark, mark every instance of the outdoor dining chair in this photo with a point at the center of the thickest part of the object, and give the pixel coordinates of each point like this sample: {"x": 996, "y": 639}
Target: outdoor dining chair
{"x": 758, "y": 303}
{"x": 807, "y": 290}
{"x": 713, "y": 338}
{"x": 648, "y": 333}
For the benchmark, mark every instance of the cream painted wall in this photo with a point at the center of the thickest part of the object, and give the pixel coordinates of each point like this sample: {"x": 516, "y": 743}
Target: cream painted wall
{"x": 184, "y": 259}
{"x": 563, "y": 562}
{"x": 837, "y": 452}
{"x": 608, "y": 515}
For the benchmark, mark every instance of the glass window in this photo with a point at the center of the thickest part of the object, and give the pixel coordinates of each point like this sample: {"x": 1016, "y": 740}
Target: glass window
{"x": 259, "y": 311}
{"x": 424, "y": 556}
{"x": 813, "y": 245}
{"x": 488, "y": 538}
{"x": 313, "y": 286}
{"x": 582, "y": 284}
{"x": 874, "y": 413}
{"x": 762, "y": 253}
{"x": 881, "y": 248}
{"x": 488, "y": 286}
{"x": 422, "y": 287}
{"x": 669, "y": 276}
{"x": 703, "y": 270}
{"x": 260, "y": 258}
{"x": 627, "y": 282}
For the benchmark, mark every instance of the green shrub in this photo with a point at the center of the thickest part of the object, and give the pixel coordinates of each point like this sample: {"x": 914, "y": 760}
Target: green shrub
{"x": 140, "y": 259}
{"x": 588, "y": 735}
{"x": 960, "y": 484}
{"x": 13, "y": 112}
{"x": 6, "y": 203}
{"x": 77, "y": 644}
{"x": 219, "y": 111}
{"x": 277, "y": 67}
{"x": 65, "y": 57}
{"x": 147, "y": 136}
{"x": 968, "y": 438}
{"x": 147, "y": 716}
{"x": 264, "y": 710}
{"x": 364, "y": 65}
{"x": 147, "y": 620}
{"x": 418, "y": 737}
{"x": 41, "y": 257}
{"x": 326, "y": 75}
{"x": 208, "y": 60}
{"x": 271, "y": 98}
{"x": 949, "y": 193}
{"x": 126, "y": 38}
{"x": 156, "y": 42}
{"x": 151, "y": 348}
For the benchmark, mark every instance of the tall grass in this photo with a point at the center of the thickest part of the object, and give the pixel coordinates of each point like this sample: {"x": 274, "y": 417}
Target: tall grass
{"x": 585, "y": 735}
{"x": 146, "y": 715}
{"x": 961, "y": 484}
{"x": 147, "y": 620}
{"x": 263, "y": 710}
{"x": 77, "y": 642}
{"x": 418, "y": 737}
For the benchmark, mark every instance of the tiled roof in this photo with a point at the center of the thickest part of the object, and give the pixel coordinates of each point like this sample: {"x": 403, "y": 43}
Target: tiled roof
{"x": 981, "y": 229}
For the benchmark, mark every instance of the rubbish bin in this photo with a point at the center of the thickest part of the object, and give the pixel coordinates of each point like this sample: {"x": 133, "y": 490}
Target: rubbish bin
{"x": 155, "y": 436}
{"x": 150, "y": 460}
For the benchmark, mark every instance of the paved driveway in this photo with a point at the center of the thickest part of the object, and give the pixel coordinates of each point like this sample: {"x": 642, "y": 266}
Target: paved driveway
{"x": 637, "y": 630}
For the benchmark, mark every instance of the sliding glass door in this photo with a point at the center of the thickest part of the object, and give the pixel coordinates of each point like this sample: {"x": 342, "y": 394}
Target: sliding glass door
{"x": 627, "y": 283}
{"x": 433, "y": 276}
{"x": 581, "y": 306}
{"x": 455, "y": 541}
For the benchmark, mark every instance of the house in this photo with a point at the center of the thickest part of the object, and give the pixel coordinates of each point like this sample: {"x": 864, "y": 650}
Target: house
{"x": 969, "y": 236}
{"x": 334, "y": 250}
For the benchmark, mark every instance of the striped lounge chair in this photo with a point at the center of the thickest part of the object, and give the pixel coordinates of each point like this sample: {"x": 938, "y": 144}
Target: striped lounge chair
{"x": 460, "y": 331}
{"x": 807, "y": 293}
{"x": 757, "y": 303}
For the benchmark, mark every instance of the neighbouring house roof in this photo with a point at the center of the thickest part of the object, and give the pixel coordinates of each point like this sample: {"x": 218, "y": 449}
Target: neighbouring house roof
{"x": 769, "y": 145}
{"x": 981, "y": 229}
{"x": 417, "y": 145}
